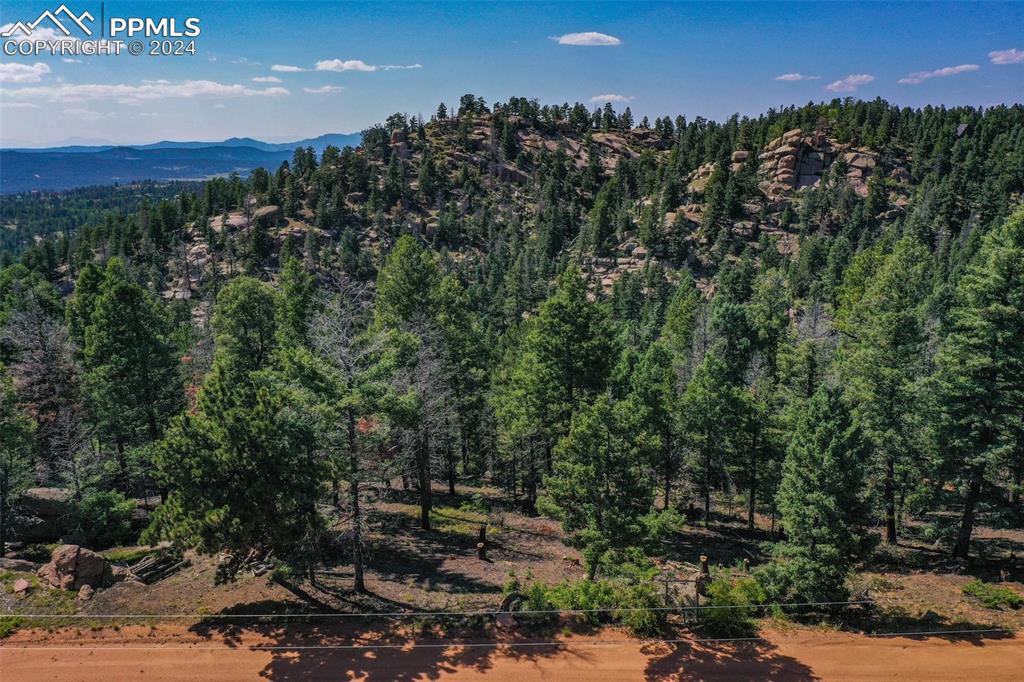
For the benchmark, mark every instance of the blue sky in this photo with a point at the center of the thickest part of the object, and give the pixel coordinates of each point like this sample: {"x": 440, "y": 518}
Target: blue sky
{"x": 670, "y": 58}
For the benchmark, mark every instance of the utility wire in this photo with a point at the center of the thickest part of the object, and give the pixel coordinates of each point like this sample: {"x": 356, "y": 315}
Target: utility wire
{"x": 425, "y": 614}
{"x": 487, "y": 644}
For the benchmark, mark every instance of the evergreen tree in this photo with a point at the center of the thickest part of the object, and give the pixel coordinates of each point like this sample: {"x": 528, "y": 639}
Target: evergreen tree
{"x": 600, "y": 489}
{"x": 242, "y": 470}
{"x": 883, "y": 365}
{"x": 295, "y": 304}
{"x": 132, "y": 378}
{"x": 821, "y": 503}
{"x": 406, "y": 284}
{"x": 15, "y": 454}
{"x": 981, "y": 370}
{"x": 82, "y": 303}
{"x": 654, "y": 394}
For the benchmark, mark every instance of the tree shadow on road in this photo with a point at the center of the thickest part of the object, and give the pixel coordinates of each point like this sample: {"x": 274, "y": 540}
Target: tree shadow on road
{"x": 734, "y": 661}
{"x": 317, "y": 648}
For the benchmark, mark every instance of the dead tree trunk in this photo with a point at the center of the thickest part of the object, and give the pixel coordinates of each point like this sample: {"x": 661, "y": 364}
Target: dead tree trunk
{"x": 423, "y": 474}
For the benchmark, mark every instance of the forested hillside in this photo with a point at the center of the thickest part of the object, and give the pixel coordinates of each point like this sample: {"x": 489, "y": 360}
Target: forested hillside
{"x": 623, "y": 325}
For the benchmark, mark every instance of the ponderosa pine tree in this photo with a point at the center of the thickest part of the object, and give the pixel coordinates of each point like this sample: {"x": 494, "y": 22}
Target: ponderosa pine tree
{"x": 980, "y": 382}
{"x": 654, "y": 393}
{"x": 242, "y": 470}
{"x": 573, "y": 347}
{"x": 82, "y": 303}
{"x": 132, "y": 379}
{"x": 882, "y": 363}
{"x": 15, "y": 454}
{"x": 600, "y": 488}
{"x": 713, "y": 412}
{"x": 295, "y": 304}
{"x": 405, "y": 285}
{"x": 821, "y": 501}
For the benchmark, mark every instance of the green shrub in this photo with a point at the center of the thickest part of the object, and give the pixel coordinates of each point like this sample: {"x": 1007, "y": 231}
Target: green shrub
{"x": 797, "y": 575}
{"x": 9, "y": 624}
{"x": 104, "y": 519}
{"x": 635, "y": 605}
{"x": 993, "y": 596}
{"x": 476, "y": 503}
{"x": 731, "y": 607}
{"x": 128, "y": 555}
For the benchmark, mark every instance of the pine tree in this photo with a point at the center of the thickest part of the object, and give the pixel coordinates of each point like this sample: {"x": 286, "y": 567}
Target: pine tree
{"x": 242, "y": 470}
{"x": 295, "y": 304}
{"x": 406, "y": 284}
{"x": 600, "y": 489}
{"x": 572, "y": 343}
{"x": 981, "y": 370}
{"x": 712, "y": 414}
{"x": 883, "y": 366}
{"x": 654, "y": 393}
{"x": 15, "y": 454}
{"x": 82, "y": 302}
{"x": 132, "y": 372}
{"x": 821, "y": 503}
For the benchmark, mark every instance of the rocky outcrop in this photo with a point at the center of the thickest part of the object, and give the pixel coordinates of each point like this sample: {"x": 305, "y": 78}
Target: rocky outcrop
{"x": 797, "y": 160}
{"x": 41, "y": 514}
{"x": 22, "y": 565}
{"x": 399, "y": 144}
{"x": 699, "y": 180}
{"x": 72, "y": 566}
{"x": 268, "y": 216}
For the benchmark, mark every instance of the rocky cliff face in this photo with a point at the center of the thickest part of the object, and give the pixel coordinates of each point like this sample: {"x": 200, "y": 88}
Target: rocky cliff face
{"x": 797, "y": 160}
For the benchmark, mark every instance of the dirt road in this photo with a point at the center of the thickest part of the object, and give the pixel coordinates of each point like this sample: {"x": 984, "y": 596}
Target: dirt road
{"x": 180, "y": 653}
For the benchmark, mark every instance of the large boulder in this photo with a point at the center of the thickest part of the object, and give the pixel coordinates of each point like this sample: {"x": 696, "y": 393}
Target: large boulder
{"x": 268, "y": 216}
{"x": 22, "y": 565}
{"x": 45, "y": 502}
{"x": 72, "y": 566}
{"x": 41, "y": 514}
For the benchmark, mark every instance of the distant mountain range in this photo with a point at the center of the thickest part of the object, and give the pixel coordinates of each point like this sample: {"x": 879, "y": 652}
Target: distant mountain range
{"x": 54, "y": 168}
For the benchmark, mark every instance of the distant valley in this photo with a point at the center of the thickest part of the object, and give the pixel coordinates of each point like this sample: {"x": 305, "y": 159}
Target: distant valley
{"x": 56, "y": 168}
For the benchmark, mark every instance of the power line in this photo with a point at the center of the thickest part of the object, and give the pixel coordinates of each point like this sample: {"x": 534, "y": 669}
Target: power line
{"x": 488, "y": 644}
{"x": 424, "y": 614}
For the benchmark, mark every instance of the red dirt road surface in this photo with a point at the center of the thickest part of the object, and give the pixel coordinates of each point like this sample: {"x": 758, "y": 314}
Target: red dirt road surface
{"x": 178, "y": 653}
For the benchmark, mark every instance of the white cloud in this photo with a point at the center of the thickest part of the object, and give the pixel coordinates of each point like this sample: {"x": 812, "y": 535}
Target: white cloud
{"x": 69, "y": 60}
{"x": 286, "y": 68}
{"x": 11, "y": 72}
{"x": 218, "y": 106}
{"x": 266, "y": 79}
{"x": 1011, "y": 56}
{"x": 920, "y": 76}
{"x": 136, "y": 94}
{"x": 340, "y": 65}
{"x": 587, "y": 39}
{"x": 850, "y": 83}
{"x": 610, "y": 97}
{"x": 18, "y": 105}
{"x": 796, "y": 77}
{"x": 323, "y": 90}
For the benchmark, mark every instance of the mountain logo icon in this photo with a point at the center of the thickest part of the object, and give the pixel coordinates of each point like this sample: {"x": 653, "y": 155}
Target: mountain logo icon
{"x": 69, "y": 16}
